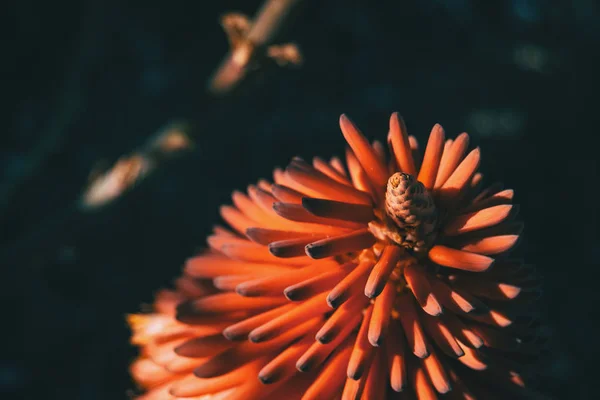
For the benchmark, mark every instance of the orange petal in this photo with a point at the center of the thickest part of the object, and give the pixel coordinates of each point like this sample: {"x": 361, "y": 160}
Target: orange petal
{"x": 265, "y": 236}
{"x": 236, "y": 219}
{"x": 478, "y": 219}
{"x": 459, "y": 259}
{"x": 333, "y": 173}
{"x": 396, "y": 352}
{"x": 316, "y": 184}
{"x": 382, "y": 270}
{"x": 240, "y": 330}
{"x": 318, "y": 352}
{"x": 419, "y": 284}
{"x": 451, "y": 157}
{"x": 338, "y": 165}
{"x": 343, "y": 290}
{"x": 286, "y": 195}
{"x": 227, "y": 302}
{"x": 415, "y": 336}
{"x": 374, "y": 389}
{"x": 454, "y": 187}
{"x": 296, "y": 212}
{"x": 316, "y": 306}
{"x": 437, "y": 373}
{"x": 316, "y": 284}
{"x": 433, "y": 155}
{"x": 283, "y": 365}
{"x": 382, "y": 309}
{"x": 350, "y": 242}
{"x": 274, "y": 284}
{"x": 329, "y": 382}
{"x": 334, "y": 324}
{"x": 401, "y": 145}
{"x": 359, "y": 213}
{"x": 193, "y": 386}
{"x": 246, "y": 351}
{"x": 211, "y": 266}
{"x": 363, "y": 151}
{"x": 442, "y": 336}
{"x": 490, "y": 245}
{"x": 362, "y": 350}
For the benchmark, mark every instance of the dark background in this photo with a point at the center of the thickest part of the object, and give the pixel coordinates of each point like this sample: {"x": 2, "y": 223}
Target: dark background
{"x": 88, "y": 81}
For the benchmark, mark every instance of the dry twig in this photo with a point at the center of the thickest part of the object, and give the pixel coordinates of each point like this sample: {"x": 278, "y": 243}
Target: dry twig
{"x": 104, "y": 189}
{"x": 251, "y": 43}
{"x": 131, "y": 169}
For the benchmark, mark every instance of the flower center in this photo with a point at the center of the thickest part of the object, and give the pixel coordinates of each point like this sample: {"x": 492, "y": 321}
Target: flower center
{"x": 409, "y": 216}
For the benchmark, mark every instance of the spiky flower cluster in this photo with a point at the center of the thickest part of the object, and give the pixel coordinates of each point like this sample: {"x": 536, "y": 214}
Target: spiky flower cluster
{"x": 352, "y": 280}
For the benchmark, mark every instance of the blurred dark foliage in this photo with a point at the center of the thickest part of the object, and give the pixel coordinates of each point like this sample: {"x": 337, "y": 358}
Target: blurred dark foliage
{"x": 88, "y": 81}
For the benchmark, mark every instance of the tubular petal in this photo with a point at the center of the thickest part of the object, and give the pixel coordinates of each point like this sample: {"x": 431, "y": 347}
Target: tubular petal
{"x": 359, "y": 177}
{"x": 316, "y": 184}
{"x": 203, "y": 346}
{"x": 286, "y": 195}
{"x": 331, "y": 172}
{"x": 246, "y": 351}
{"x": 334, "y": 324}
{"x": 274, "y": 284}
{"x": 459, "y": 259}
{"x": 452, "y": 156}
{"x": 478, "y": 220}
{"x": 212, "y": 266}
{"x": 194, "y": 386}
{"x": 380, "y": 319}
{"x": 362, "y": 350}
{"x": 226, "y": 302}
{"x": 295, "y": 212}
{"x": 240, "y": 330}
{"x": 283, "y": 366}
{"x": 396, "y": 352}
{"x": 343, "y": 290}
{"x": 433, "y": 155}
{"x": 422, "y": 385}
{"x": 369, "y": 160}
{"x": 437, "y": 373}
{"x": 291, "y": 247}
{"x": 236, "y": 219}
{"x": 442, "y": 336}
{"x": 400, "y": 145}
{"x": 454, "y": 187}
{"x": 311, "y": 308}
{"x": 353, "y": 241}
{"x": 419, "y": 285}
{"x": 318, "y": 352}
{"x": 316, "y": 284}
{"x": 339, "y": 210}
{"x": 331, "y": 378}
{"x": 228, "y": 283}
{"x": 265, "y": 236}
{"x": 382, "y": 270}
{"x": 491, "y": 245}
{"x": 373, "y": 387}
{"x": 338, "y": 165}
{"x": 412, "y": 327}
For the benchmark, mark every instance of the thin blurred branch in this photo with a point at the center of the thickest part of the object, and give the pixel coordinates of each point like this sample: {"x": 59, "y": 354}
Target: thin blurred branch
{"x": 251, "y": 43}
{"x": 132, "y": 169}
{"x": 103, "y": 190}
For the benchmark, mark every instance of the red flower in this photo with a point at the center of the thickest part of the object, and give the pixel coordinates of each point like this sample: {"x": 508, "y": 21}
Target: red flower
{"x": 352, "y": 280}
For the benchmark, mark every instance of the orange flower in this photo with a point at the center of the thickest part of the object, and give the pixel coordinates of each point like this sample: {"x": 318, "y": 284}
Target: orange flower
{"x": 351, "y": 280}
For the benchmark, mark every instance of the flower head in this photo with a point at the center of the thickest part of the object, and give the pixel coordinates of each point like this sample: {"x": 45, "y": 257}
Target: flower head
{"x": 384, "y": 273}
